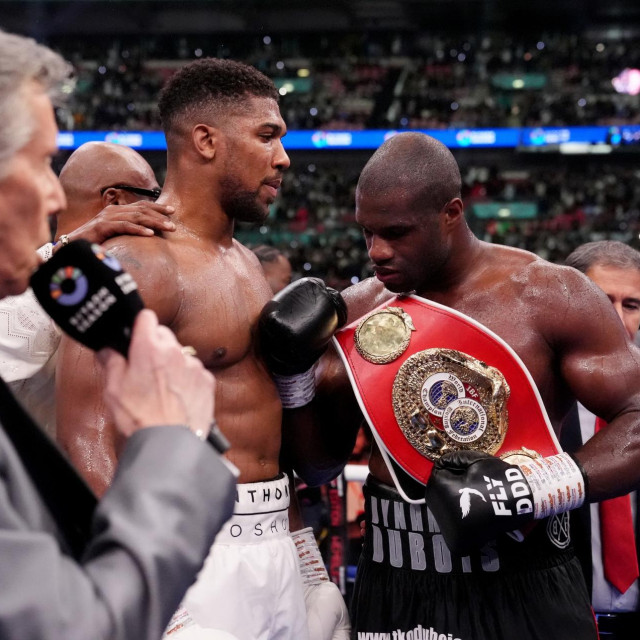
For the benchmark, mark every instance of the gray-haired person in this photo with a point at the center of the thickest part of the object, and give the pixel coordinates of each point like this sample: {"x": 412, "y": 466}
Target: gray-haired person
{"x": 615, "y": 268}
{"x": 149, "y": 534}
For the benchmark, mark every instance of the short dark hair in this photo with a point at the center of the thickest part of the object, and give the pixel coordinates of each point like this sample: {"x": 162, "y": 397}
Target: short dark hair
{"x": 606, "y": 253}
{"x": 266, "y": 253}
{"x": 418, "y": 165}
{"x": 211, "y": 85}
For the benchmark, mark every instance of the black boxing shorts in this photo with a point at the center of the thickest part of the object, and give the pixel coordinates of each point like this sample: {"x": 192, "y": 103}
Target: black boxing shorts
{"x": 409, "y": 586}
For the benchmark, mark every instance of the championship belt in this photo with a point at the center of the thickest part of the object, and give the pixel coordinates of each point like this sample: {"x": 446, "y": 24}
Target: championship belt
{"x": 430, "y": 380}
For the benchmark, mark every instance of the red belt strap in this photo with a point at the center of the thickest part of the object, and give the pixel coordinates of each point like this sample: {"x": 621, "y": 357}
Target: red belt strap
{"x": 441, "y": 327}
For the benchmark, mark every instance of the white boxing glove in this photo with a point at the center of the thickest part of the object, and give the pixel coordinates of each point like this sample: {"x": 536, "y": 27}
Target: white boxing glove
{"x": 327, "y": 615}
{"x": 182, "y": 627}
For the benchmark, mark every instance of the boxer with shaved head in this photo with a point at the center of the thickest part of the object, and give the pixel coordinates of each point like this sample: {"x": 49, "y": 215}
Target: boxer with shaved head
{"x": 462, "y": 543}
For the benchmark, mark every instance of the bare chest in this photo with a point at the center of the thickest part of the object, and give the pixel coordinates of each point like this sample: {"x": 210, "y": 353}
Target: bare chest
{"x": 218, "y": 312}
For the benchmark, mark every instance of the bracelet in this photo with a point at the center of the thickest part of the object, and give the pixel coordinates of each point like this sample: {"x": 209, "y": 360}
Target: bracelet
{"x": 63, "y": 240}
{"x": 45, "y": 251}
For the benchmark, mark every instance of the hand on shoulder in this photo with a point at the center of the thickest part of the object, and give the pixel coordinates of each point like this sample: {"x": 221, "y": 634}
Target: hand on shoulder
{"x": 141, "y": 218}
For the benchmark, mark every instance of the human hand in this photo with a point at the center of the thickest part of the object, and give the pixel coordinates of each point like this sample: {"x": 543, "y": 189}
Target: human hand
{"x": 141, "y": 218}
{"x": 159, "y": 384}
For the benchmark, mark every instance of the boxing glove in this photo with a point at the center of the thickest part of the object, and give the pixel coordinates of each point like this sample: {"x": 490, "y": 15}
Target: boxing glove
{"x": 183, "y": 626}
{"x": 474, "y": 496}
{"x": 327, "y": 615}
{"x": 294, "y": 329}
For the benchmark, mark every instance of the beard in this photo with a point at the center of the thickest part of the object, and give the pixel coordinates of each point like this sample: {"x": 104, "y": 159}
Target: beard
{"x": 241, "y": 204}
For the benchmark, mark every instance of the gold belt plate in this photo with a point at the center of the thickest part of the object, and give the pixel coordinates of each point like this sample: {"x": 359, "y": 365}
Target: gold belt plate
{"x": 384, "y": 336}
{"x": 446, "y": 400}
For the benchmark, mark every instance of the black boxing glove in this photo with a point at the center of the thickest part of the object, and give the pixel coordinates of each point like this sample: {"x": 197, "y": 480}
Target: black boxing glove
{"x": 294, "y": 330}
{"x": 474, "y": 496}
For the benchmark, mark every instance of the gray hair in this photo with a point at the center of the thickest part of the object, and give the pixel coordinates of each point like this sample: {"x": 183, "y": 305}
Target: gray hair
{"x": 23, "y": 60}
{"x": 604, "y": 253}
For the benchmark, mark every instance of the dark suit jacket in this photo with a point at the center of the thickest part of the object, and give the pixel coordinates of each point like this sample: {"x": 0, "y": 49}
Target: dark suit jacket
{"x": 571, "y": 440}
{"x": 151, "y": 533}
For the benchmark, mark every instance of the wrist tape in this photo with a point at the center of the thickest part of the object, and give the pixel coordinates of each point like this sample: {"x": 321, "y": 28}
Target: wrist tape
{"x": 310, "y": 563}
{"x": 557, "y": 484}
{"x": 297, "y": 390}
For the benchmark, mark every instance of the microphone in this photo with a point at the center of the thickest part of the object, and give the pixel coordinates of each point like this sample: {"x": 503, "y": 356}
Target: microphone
{"x": 89, "y": 295}
{"x": 95, "y": 301}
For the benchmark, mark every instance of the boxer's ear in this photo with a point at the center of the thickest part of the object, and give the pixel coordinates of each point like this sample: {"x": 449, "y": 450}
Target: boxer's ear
{"x": 453, "y": 213}
{"x": 204, "y": 140}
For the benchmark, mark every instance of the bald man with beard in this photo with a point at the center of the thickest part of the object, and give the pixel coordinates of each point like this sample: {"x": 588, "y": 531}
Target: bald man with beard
{"x": 110, "y": 190}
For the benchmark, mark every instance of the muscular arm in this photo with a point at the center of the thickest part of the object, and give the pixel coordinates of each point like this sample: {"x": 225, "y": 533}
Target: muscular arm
{"x": 84, "y": 427}
{"x": 602, "y": 368}
{"x": 319, "y": 437}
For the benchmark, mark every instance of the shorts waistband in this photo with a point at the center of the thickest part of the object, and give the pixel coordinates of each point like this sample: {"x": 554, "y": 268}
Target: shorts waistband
{"x": 261, "y": 512}
{"x": 262, "y": 497}
{"x": 406, "y": 536}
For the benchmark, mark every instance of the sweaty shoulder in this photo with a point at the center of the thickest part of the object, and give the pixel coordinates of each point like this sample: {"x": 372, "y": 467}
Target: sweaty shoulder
{"x": 559, "y": 299}
{"x": 247, "y": 256}
{"x": 365, "y": 296}
{"x": 521, "y": 271}
{"x": 153, "y": 266}
{"x": 574, "y": 301}
{"x": 544, "y": 280}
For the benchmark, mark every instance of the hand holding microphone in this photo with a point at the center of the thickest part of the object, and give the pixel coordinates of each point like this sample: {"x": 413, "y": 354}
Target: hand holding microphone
{"x": 88, "y": 294}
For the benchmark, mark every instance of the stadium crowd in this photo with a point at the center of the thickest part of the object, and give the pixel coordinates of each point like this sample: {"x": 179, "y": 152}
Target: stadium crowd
{"x": 357, "y": 81}
{"x": 313, "y": 220}
{"x": 399, "y": 80}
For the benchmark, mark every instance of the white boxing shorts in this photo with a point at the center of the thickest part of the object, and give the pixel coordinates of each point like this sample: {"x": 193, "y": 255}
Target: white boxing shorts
{"x": 249, "y": 586}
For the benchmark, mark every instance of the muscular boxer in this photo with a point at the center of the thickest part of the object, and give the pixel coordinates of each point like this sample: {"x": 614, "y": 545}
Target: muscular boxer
{"x": 434, "y": 573}
{"x": 225, "y": 163}
{"x": 96, "y": 177}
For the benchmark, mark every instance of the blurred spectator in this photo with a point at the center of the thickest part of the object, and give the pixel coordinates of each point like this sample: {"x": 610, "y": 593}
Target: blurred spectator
{"x": 346, "y": 81}
{"x": 276, "y": 266}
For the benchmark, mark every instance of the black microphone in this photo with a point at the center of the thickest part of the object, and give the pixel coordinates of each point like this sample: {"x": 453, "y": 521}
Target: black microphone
{"x": 89, "y": 295}
{"x": 95, "y": 301}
